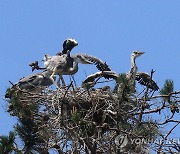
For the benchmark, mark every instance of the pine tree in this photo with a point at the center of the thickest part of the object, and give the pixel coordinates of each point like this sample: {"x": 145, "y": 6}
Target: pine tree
{"x": 94, "y": 120}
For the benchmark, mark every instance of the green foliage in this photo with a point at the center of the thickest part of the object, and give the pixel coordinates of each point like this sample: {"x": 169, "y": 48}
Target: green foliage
{"x": 7, "y": 143}
{"x": 76, "y": 117}
{"x": 18, "y": 105}
{"x": 99, "y": 117}
{"x": 123, "y": 88}
{"x": 25, "y": 109}
{"x": 86, "y": 128}
{"x": 167, "y": 88}
{"x": 28, "y": 132}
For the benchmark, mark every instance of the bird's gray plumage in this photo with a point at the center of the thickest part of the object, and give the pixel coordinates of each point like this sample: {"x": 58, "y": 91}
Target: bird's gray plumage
{"x": 141, "y": 77}
{"x": 55, "y": 63}
{"x": 146, "y": 80}
{"x": 38, "y": 80}
{"x": 68, "y": 65}
{"x": 101, "y": 66}
{"x": 132, "y": 73}
{"x": 105, "y": 74}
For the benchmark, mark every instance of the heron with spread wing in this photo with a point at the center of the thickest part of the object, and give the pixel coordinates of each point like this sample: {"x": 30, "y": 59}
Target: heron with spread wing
{"x": 141, "y": 77}
{"x": 65, "y": 65}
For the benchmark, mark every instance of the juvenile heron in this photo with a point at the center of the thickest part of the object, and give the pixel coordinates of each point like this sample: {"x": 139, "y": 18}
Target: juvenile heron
{"x": 55, "y": 64}
{"x": 35, "y": 81}
{"x": 60, "y": 65}
{"x": 65, "y": 65}
{"x": 141, "y": 77}
{"x": 68, "y": 45}
{"x": 132, "y": 73}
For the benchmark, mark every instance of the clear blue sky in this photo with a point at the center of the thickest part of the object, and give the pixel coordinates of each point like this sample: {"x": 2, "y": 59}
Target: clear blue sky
{"x": 110, "y": 30}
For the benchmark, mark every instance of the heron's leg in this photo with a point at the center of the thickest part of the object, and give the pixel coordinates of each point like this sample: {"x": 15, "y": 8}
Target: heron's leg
{"x": 62, "y": 79}
{"x": 74, "y": 80}
{"x": 51, "y": 77}
{"x": 58, "y": 82}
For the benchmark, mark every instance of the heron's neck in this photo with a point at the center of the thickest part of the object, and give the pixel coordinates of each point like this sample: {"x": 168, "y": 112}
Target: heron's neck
{"x": 133, "y": 70}
{"x": 66, "y": 51}
{"x": 133, "y": 63}
{"x": 74, "y": 69}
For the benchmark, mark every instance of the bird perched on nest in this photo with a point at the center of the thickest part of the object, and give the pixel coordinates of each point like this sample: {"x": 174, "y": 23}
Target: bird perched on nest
{"x": 64, "y": 64}
{"x": 142, "y": 77}
{"x": 68, "y": 45}
{"x": 39, "y": 80}
{"x": 59, "y": 65}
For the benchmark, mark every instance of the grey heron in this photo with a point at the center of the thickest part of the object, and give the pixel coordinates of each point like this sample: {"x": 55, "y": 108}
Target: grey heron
{"x": 61, "y": 65}
{"x": 35, "y": 81}
{"x": 64, "y": 64}
{"x": 68, "y": 45}
{"x": 141, "y": 77}
{"x": 132, "y": 73}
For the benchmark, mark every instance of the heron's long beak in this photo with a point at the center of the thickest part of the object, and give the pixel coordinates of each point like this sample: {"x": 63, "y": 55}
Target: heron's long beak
{"x": 140, "y": 52}
{"x": 76, "y": 43}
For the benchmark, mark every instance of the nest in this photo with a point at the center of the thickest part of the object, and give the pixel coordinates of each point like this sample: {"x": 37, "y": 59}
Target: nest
{"x": 93, "y": 104}
{"x": 70, "y": 115}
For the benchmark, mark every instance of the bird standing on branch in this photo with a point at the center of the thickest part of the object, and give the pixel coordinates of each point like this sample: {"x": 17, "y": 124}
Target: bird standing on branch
{"x": 132, "y": 73}
{"x": 59, "y": 65}
{"x": 142, "y": 77}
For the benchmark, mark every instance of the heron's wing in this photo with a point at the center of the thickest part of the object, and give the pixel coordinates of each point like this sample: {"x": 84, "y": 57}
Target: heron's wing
{"x": 102, "y": 66}
{"x": 105, "y": 74}
{"x": 146, "y": 80}
{"x": 33, "y": 81}
{"x": 56, "y": 62}
{"x": 30, "y": 78}
{"x": 45, "y": 79}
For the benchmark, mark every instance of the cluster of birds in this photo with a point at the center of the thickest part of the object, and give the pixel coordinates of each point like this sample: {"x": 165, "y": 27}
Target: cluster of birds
{"x": 63, "y": 63}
